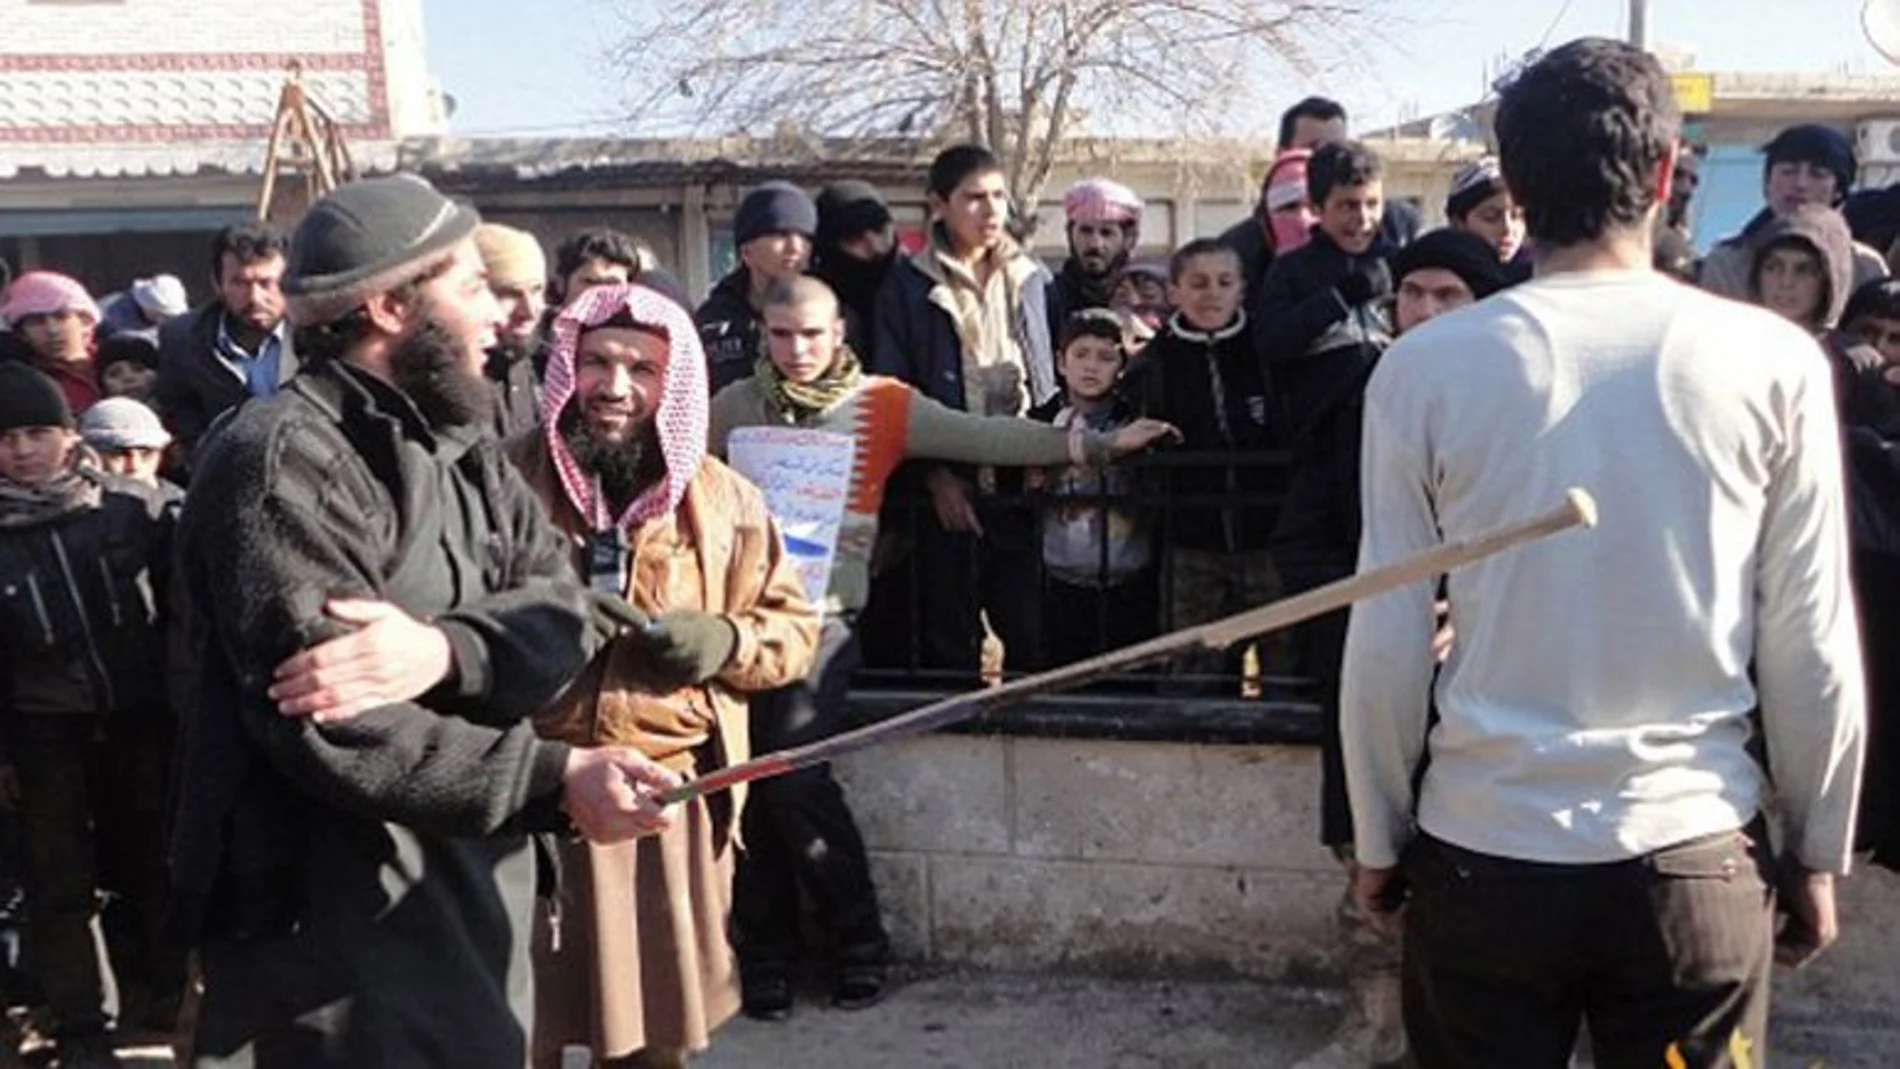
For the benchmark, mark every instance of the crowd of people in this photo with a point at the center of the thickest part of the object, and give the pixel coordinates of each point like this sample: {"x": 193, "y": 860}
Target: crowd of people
{"x": 356, "y": 618}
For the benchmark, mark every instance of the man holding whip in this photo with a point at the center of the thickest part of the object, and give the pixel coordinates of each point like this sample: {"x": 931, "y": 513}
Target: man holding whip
{"x": 1586, "y": 841}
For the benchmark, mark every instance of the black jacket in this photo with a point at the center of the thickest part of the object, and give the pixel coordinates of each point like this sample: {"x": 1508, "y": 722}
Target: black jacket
{"x": 1210, "y": 386}
{"x": 382, "y": 860}
{"x": 1316, "y": 346}
{"x": 80, "y": 630}
{"x": 730, "y": 330}
{"x": 517, "y": 391}
{"x": 1073, "y": 291}
{"x": 856, "y": 282}
{"x": 195, "y": 386}
{"x": 1398, "y": 225}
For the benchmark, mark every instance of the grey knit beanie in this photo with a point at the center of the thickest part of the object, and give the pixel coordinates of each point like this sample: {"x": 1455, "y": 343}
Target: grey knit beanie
{"x": 367, "y": 238}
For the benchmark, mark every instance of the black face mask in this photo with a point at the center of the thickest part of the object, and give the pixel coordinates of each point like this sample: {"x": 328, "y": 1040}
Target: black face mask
{"x": 427, "y": 366}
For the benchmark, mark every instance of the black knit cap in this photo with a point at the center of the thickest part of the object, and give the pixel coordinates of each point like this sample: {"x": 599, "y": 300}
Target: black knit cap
{"x": 133, "y": 348}
{"x": 30, "y": 399}
{"x": 1817, "y": 144}
{"x": 1462, "y": 253}
{"x": 366, "y": 238}
{"x": 847, "y": 209}
{"x": 774, "y": 208}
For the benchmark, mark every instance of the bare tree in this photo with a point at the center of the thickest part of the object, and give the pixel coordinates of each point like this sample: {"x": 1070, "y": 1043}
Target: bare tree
{"x": 1015, "y": 75}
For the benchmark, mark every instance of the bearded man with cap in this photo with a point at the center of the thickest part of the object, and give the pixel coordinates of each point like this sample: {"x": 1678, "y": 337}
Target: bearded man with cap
{"x": 518, "y": 277}
{"x": 1104, "y": 226}
{"x": 374, "y": 605}
{"x": 1806, "y": 164}
{"x": 637, "y": 965}
{"x": 772, "y": 232}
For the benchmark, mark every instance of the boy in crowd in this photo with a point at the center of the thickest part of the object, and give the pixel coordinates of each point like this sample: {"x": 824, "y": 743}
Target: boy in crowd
{"x": 129, "y": 441}
{"x": 128, "y": 367}
{"x": 1480, "y": 204}
{"x": 798, "y": 828}
{"x": 1202, "y": 374}
{"x": 54, "y": 316}
{"x": 966, "y": 321}
{"x": 1802, "y": 271}
{"x": 1808, "y": 164}
{"x": 1100, "y": 592}
{"x": 1319, "y": 322}
{"x": 84, "y": 732}
{"x": 1315, "y": 542}
{"x": 772, "y": 231}
{"x": 1873, "y": 313}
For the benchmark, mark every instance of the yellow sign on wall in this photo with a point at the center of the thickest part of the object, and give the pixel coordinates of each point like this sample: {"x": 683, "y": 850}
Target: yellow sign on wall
{"x": 1695, "y": 93}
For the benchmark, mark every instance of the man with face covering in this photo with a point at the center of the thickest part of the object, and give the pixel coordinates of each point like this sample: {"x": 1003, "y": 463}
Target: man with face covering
{"x": 374, "y": 605}
{"x": 1104, "y": 225}
{"x": 640, "y": 970}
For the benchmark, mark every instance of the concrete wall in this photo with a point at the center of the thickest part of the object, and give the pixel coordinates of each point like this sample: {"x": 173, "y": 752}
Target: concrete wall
{"x": 1171, "y": 859}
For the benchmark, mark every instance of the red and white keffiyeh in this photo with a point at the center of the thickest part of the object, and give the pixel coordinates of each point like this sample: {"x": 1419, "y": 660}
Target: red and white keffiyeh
{"x": 682, "y": 414}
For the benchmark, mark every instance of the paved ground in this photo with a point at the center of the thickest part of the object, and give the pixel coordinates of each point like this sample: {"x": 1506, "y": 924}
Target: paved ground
{"x": 967, "y": 1020}
{"x": 982, "y": 1020}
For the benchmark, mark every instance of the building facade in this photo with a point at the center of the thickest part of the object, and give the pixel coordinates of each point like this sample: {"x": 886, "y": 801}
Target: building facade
{"x": 132, "y": 129}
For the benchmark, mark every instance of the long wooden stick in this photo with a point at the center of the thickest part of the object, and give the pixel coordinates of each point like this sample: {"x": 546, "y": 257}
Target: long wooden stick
{"x": 1578, "y": 509}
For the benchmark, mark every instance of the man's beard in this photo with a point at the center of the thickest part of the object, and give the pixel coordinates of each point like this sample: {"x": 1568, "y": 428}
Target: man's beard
{"x": 625, "y": 469}
{"x": 428, "y": 367}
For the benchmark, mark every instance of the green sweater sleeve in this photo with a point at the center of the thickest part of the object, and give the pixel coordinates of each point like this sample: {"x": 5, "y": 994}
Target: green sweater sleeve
{"x": 938, "y": 432}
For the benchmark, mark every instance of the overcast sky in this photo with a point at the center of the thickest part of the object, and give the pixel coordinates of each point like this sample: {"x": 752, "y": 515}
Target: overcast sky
{"x": 539, "y": 68}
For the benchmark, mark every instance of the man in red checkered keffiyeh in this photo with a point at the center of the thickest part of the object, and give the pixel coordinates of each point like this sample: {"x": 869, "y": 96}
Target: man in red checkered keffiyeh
{"x": 643, "y": 966}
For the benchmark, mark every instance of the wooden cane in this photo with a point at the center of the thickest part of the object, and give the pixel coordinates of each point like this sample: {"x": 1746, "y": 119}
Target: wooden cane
{"x": 1578, "y": 510}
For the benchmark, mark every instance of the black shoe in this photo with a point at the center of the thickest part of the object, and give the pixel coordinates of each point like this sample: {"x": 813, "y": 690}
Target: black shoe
{"x": 860, "y": 984}
{"x": 765, "y": 993}
{"x": 89, "y": 1051}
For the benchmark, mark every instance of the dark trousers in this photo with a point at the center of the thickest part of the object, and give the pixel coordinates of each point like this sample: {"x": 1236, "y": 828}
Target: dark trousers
{"x": 1504, "y": 959}
{"x": 1083, "y": 621}
{"x": 799, "y": 831}
{"x": 960, "y": 576}
{"x": 93, "y": 821}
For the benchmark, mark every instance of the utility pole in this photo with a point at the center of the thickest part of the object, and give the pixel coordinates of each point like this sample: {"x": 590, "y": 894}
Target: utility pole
{"x": 1639, "y": 23}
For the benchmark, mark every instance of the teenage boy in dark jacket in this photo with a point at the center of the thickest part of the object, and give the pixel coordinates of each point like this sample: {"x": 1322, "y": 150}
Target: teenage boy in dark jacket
{"x": 1202, "y": 374}
{"x": 1319, "y": 322}
{"x": 375, "y": 605}
{"x": 773, "y": 231}
{"x": 966, "y": 321}
{"x": 83, "y": 726}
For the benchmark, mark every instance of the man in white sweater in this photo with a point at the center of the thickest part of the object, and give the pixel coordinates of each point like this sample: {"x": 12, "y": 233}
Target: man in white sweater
{"x": 1581, "y": 831}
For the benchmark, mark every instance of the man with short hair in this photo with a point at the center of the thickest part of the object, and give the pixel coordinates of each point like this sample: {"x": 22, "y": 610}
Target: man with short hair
{"x": 1805, "y": 164}
{"x": 374, "y": 605}
{"x": 1104, "y": 227}
{"x": 772, "y": 231}
{"x": 518, "y": 278}
{"x": 1581, "y": 827}
{"x": 54, "y": 317}
{"x": 234, "y": 348}
{"x": 596, "y": 256}
{"x": 965, "y": 320}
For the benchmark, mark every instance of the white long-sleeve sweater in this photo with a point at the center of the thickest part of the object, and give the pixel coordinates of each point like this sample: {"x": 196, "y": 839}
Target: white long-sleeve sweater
{"x": 1596, "y": 705}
